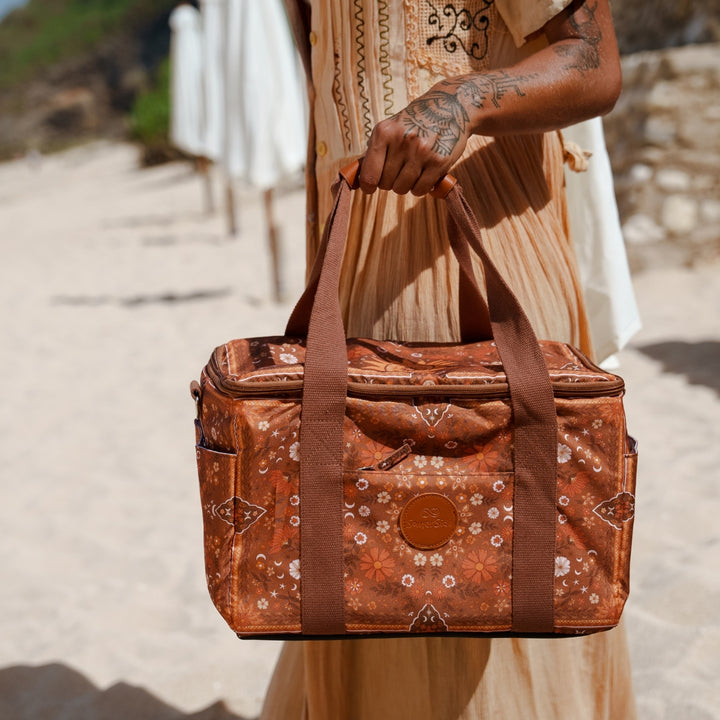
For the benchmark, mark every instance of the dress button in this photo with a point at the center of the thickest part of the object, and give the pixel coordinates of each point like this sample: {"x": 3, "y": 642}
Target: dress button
{"x": 313, "y": 38}
{"x": 321, "y": 149}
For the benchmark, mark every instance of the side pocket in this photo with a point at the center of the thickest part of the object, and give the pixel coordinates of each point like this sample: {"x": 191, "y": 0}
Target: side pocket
{"x": 631, "y": 456}
{"x": 216, "y": 471}
{"x": 628, "y": 518}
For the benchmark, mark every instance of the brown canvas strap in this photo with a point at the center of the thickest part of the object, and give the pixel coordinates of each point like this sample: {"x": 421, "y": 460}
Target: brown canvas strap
{"x": 534, "y": 442}
{"x": 323, "y": 412}
{"x": 474, "y": 315}
{"x": 321, "y": 441}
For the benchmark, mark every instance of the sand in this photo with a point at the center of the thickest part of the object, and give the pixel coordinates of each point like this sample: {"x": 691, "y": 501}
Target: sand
{"x": 115, "y": 286}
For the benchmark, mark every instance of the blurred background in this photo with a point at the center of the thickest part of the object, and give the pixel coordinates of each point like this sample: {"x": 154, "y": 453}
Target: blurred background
{"x": 76, "y": 70}
{"x": 127, "y": 255}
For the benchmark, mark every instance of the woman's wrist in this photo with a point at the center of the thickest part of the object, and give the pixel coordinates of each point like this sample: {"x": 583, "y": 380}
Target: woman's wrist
{"x": 487, "y": 99}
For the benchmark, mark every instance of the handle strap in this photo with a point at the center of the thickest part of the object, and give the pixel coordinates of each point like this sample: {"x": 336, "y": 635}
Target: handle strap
{"x": 321, "y": 438}
{"x": 535, "y": 440}
{"x": 323, "y": 413}
{"x": 474, "y": 315}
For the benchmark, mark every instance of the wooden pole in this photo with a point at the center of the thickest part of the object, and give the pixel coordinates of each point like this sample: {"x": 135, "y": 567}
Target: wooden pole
{"x": 203, "y": 168}
{"x": 230, "y": 207}
{"x": 274, "y": 247}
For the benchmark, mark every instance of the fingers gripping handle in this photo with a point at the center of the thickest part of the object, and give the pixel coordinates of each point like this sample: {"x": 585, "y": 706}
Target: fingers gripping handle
{"x": 351, "y": 174}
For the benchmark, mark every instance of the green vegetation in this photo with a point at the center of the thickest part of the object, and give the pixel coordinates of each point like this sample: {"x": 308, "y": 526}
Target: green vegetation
{"x": 150, "y": 117}
{"x": 45, "y": 32}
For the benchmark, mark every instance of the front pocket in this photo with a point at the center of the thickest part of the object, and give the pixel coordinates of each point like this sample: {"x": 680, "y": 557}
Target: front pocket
{"x": 216, "y": 471}
{"x": 393, "y": 584}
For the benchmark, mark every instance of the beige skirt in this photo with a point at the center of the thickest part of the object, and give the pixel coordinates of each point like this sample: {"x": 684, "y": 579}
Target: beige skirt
{"x": 400, "y": 282}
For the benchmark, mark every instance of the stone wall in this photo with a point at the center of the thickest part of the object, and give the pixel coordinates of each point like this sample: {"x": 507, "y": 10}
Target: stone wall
{"x": 654, "y": 24}
{"x": 664, "y": 143}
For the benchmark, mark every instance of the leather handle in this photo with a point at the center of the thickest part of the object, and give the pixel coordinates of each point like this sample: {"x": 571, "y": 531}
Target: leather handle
{"x": 474, "y": 314}
{"x": 351, "y": 172}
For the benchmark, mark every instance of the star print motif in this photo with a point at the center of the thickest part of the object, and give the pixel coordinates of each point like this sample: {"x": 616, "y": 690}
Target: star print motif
{"x": 617, "y": 510}
{"x": 239, "y": 513}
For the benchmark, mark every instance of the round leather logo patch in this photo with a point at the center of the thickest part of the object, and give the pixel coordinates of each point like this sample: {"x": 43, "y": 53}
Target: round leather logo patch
{"x": 428, "y": 521}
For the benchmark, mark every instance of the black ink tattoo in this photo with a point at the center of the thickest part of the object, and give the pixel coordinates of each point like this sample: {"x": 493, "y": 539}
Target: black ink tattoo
{"x": 477, "y": 89}
{"x": 583, "y": 22}
{"x": 440, "y": 114}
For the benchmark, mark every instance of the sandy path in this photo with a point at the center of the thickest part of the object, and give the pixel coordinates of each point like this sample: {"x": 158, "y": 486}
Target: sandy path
{"x": 115, "y": 288}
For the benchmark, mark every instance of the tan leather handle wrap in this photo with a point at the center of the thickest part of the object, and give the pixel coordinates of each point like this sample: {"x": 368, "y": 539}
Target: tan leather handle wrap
{"x": 323, "y": 416}
{"x": 351, "y": 172}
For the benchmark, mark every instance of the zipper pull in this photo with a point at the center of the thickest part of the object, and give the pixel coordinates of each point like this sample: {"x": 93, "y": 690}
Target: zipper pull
{"x": 395, "y": 457}
{"x": 196, "y": 392}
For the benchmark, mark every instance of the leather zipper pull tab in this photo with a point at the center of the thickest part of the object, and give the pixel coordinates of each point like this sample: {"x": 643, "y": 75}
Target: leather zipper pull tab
{"x": 395, "y": 457}
{"x": 196, "y": 392}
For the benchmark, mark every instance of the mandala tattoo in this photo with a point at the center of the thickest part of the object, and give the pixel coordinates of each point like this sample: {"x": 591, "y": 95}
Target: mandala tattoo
{"x": 440, "y": 114}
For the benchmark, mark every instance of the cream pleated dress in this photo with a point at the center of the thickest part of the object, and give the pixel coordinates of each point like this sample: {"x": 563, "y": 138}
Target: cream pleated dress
{"x": 369, "y": 59}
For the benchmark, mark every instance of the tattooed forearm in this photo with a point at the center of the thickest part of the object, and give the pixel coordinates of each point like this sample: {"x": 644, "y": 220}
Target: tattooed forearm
{"x": 585, "y": 25}
{"x": 443, "y": 115}
{"x": 493, "y": 86}
{"x": 439, "y": 114}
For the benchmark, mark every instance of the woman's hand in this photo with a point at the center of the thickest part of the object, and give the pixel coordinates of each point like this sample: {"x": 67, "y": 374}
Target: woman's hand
{"x": 413, "y": 150}
{"x": 576, "y": 77}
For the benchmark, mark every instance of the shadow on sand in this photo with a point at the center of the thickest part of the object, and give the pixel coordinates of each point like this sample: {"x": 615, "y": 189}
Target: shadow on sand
{"x": 698, "y": 361}
{"x": 57, "y": 692}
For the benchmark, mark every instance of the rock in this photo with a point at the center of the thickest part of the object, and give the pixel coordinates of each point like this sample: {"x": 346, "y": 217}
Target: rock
{"x": 662, "y": 23}
{"x": 692, "y": 130}
{"x": 662, "y": 96}
{"x": 72, "y": 110}
{"x": 665, "y": 149}
{"x": 672, "y": 180}
{"x": 693, "y": 60}
{"x": 680, "y": 214}
{"x": 640, "y": 173}
{"x": 642, "y": 230}
{"x": 701, "y": 183}
{"x": 710, "y": 211}
{"x": 659, "y": 130}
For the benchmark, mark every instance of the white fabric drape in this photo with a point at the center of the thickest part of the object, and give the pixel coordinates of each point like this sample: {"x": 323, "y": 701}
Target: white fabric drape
{"x": 214, "y": 39}
{"x": 265, "y": 112}
{"x": 595, "y": 228}
{"x": 187, "y": 117}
